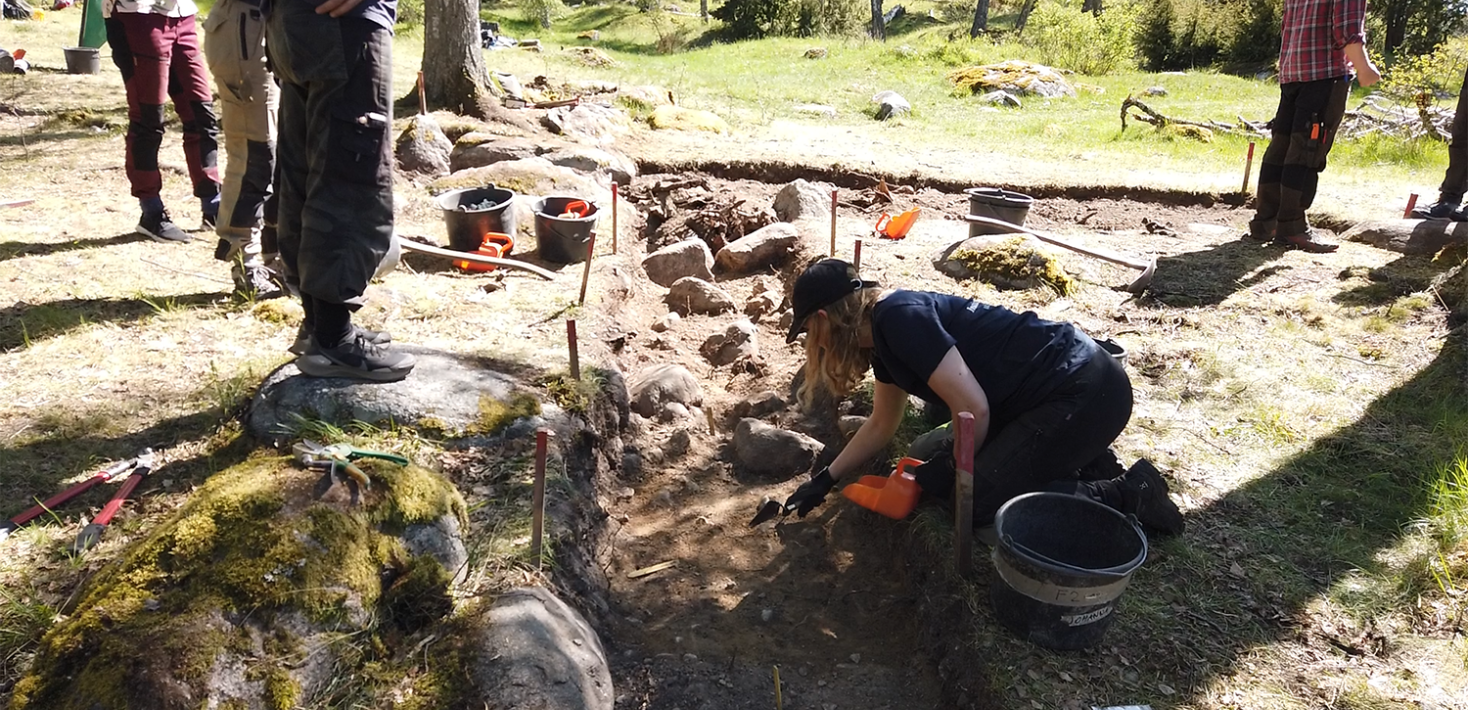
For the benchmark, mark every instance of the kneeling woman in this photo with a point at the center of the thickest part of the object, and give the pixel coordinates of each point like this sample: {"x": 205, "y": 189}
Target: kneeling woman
{"x": 1047, "y": 400}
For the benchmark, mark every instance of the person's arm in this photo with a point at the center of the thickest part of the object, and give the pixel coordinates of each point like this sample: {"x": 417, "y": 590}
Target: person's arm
{"x": 1366, "y": 73}
{"x": 955, "y": 383}
{"x": 889, "y": 402}
{"x": 336, "y": 8}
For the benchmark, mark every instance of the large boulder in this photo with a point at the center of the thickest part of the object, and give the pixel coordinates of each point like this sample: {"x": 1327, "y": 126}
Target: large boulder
{"x": 772, "y": 451}
{"x": 588, "y": 122}
{"x": 686, "y": 119}
{"x": 802, "y": 200}
{"x": 1018, "y": 77}
{"x": 594, "y": 160}
{"x": 662, "y": 384}
{"x": 759, "y": 405}
{"x": 447, "y": 393}
{"x": 538, "y": 652}
{"x": 735, "y": 342}
{"x": 690, "y": 295}
{"x": 477, "y": 150}
{"x": 690, "y": 257}
{"x": 243, "y": 597}
{"x": 770, "y": 245}
{"x": 423, "y": 148}
{"x": 1008, "y": 261}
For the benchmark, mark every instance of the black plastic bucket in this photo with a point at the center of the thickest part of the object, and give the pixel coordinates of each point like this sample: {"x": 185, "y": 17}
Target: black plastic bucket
{"x": 996, "y": 203}
{"x": 474, "y": 212}
{"x": 565, "y": 240}
{"x": 1114, "y": 349}
{"x": 1062, "y": 562}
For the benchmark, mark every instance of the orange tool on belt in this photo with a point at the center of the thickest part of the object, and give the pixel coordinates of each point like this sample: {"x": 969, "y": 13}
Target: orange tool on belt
{"x": 893, "y": 496}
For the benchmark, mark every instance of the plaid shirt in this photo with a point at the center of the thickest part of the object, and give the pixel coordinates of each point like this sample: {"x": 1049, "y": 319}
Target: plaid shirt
{"x": 1315, "y": 33}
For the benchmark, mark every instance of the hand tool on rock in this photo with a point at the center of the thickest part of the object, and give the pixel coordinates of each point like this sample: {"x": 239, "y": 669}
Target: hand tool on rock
{"x": 339, "y": 457}
{"x": 145, "y": 458}
{"x": 1148, "y": 267}
{"x": 92, "y": 533}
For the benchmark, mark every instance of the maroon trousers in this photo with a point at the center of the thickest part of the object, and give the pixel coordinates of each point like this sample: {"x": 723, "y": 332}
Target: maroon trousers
{"x": 159, "y": 59}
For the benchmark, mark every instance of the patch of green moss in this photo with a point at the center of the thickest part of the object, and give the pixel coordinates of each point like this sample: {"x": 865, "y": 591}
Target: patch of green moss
{"x": 574, "y": 395}
{"x": 235, "y": 547}
{"x": 1014, "y": 260}
{"x": 281, "y": 690}
{"x": 495, "y": 414}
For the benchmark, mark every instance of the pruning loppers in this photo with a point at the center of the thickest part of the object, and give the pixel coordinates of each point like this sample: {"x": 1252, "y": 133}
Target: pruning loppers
{"x": 338, "y": 458}
{"x": 136, "y": 467}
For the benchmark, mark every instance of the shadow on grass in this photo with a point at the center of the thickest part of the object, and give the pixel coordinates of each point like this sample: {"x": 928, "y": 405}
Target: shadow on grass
{"x": 1385, "y": 284}
{"x": 1316, "y": 526}
{"x": 1207, "y": 277}
{"x": 15, "y": 250}
{"x": 23, "y": 323}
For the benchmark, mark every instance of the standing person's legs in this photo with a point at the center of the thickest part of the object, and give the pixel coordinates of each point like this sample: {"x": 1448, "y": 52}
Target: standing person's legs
{"x": 337, "y": 74}
{"x": 1455, "y": 182}
{"x": 1271, "y": 167}
{"x": 1319, "y": 108}
{"x": 194, "y": 104}
{"x": 234, "y": 44}
{"x": 141, "y": 50}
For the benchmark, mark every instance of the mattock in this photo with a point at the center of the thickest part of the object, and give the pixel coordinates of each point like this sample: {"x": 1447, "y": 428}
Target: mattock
{"x": 1139, "y": 285}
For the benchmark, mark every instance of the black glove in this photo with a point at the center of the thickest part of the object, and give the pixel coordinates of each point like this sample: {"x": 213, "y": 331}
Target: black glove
{"x": 811, "y": 493}
{"x": 935, "y": 476}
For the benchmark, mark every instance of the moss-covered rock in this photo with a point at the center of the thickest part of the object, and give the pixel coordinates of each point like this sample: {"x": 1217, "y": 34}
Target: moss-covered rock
{"x": 245, "y": 595}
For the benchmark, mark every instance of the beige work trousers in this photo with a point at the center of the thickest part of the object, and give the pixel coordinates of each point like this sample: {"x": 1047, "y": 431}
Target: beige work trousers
{"x": 234, "y": 47}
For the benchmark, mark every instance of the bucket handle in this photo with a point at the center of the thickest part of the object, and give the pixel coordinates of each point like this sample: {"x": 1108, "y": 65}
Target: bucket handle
{"x": 1009, "y": 541}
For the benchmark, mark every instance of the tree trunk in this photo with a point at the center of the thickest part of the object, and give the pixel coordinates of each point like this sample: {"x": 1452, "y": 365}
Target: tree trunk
{"x": 1024, "y": 16}
{"x": 1092, "y": 6}
{"x": 454, "y": 76}
{"x": 879, "y": 29}
{"x": 703, "y": 9}
{"x": 981, "y": 19}
{"x": 1396, "y": 17}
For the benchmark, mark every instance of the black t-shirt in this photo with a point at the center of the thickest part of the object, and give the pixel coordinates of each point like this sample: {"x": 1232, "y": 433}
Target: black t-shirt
{"x": 1017, "y": 358}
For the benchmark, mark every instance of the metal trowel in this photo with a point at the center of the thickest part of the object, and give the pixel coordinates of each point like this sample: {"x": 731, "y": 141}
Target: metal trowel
{"x": 769, "y": 509}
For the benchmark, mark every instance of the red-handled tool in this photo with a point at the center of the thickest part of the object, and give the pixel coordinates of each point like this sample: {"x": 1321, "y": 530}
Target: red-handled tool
{"x": 104, "y": 476}
{"x": 92, "y": 533}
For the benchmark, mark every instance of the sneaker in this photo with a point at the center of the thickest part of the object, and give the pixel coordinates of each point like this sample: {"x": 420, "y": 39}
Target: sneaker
{"x": 1144, "y": 494}
{"x": 306, "y": 345}
{"x": 1309, "y": 241}
{"x": 359, "y": 358}
{"x": 255, "y": 282}
{"x": 159, "y": 227}
{"x": 1437, "y": 210}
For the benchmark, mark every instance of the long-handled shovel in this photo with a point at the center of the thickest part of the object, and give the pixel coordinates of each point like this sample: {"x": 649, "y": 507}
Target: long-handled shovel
{"x": 1138, "y": 286}
{"x": 410, "y": 245}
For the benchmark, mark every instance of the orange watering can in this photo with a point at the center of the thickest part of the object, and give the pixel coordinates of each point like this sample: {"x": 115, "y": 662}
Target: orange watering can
{"x": 496, "y": 245}
{"x": 893, "y": 496}
{"x": 896, "y": 227}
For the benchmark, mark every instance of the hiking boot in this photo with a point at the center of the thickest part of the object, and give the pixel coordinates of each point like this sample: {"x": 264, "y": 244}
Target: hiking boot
{"x": 1309, "y": 241}
{"x": 159, "y": 227}
{"x": 1437, "y": 210}
{"x": 359, "y": 358}
{"x": 1144, "y": 494}
{"x": 1258, "y": 237}
{"x": 306, "y": 345}
{"x": 255, "y": 282}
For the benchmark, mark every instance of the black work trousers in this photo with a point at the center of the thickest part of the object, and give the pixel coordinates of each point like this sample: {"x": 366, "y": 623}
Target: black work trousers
{"x": 335, "y": 159}
{"x": 1304, "y": 130}
{"x": 1050, "y": 442}
{"x": 1455, "y": 183}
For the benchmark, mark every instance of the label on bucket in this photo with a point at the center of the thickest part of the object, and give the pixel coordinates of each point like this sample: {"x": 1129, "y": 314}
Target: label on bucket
{"x": 1089, "y": 617}
{"x": 1052, "y": 593}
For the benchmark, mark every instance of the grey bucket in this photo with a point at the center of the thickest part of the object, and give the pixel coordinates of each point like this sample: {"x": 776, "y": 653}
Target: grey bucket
{"x": 467, "y": 223}
{"x": 83, "y": 60}
{"x": 566, "y": 240}
{"x": 996, "y": 203}
{"x": 1062, "y": 562}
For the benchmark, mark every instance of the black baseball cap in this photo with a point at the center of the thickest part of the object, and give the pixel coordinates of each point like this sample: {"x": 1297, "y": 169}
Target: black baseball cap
{"x": 823, "y": 283}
